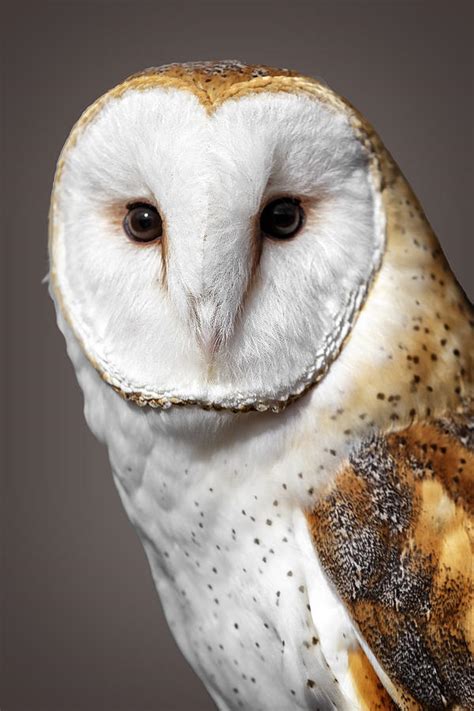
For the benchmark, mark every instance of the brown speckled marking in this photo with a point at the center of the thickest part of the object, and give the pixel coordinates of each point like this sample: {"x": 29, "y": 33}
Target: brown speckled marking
{"x": 212, "y": 82}
{"x": 395, "y": 535}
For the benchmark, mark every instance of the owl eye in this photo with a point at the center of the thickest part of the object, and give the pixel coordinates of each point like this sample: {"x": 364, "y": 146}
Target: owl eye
{"x": 143, "y": 223}
{"x": 282, "y": 218}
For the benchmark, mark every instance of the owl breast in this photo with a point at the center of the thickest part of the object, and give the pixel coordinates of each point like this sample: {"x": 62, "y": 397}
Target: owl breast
{"x": 223, "y": 542}
{"x": 230, "y": 574}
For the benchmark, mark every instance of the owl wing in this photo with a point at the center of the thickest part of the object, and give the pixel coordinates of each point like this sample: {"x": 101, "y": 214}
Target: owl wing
{"x": 394, "y": 538}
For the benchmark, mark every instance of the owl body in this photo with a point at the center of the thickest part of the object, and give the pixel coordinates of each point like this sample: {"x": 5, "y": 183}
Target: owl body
{"x": 285, "y": 400}
{"x": 228, "y": 549}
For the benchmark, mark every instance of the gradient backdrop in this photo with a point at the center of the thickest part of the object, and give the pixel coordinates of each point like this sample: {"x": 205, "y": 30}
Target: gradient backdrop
{"x": 82, "y": 628}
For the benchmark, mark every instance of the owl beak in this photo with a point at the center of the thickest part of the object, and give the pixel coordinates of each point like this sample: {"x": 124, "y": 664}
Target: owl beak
{"x": 210, "y": 346}
{"x": 210, "y": 293}
{"x": 204, "y": 322}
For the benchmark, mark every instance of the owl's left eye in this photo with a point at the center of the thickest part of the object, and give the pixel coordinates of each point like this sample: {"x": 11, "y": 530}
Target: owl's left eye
{"x": 282, "y": 218}
{"x": 143, "y": 223}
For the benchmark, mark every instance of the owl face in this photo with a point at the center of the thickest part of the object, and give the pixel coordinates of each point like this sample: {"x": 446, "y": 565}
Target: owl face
{"x": 214, "y": 256}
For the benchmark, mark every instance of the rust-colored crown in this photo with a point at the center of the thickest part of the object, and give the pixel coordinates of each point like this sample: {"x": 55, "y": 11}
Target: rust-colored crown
{"x": 213, "y": 79}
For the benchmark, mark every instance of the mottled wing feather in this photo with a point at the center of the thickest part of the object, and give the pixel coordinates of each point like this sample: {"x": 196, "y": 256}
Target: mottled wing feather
{"x": 394, "y": 535}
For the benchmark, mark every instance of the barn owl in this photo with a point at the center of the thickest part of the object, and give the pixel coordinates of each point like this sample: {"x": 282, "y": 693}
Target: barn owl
{"x": 273, "y": 348}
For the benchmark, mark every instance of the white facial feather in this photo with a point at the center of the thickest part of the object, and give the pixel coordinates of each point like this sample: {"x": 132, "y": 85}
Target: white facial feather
{"x": 277, "y": 325}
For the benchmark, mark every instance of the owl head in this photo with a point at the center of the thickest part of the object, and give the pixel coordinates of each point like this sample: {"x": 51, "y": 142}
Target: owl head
{"x": 215, "y": 230}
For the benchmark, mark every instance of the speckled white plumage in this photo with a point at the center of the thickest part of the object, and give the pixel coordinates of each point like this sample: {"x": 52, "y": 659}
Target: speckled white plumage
{"x": 219, "y": 516}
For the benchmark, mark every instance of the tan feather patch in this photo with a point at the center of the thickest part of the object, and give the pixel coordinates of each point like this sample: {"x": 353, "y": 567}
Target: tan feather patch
{"x": 371, "y": 693}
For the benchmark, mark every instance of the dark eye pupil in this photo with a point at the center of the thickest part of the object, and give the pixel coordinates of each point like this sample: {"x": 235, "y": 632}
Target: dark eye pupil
{"x": 143, "y": 223}
{"x": 282, "y": 218}
{"x": 142, "y": 220}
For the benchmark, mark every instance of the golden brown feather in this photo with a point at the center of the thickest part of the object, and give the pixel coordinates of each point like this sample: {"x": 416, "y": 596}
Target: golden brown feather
{"x": 395, "y": 536}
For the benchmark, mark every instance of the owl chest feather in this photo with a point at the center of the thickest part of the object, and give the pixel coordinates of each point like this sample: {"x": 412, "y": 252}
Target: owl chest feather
{"x": 226, "y": 560}
{"x": 222, "y": 526}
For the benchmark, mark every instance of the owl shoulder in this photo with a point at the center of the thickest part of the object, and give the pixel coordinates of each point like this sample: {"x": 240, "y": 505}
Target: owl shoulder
{"x": 394, "y": 535}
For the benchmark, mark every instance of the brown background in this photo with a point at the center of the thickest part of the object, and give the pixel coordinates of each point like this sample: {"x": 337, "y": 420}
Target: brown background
{"x": 82, "y": 629}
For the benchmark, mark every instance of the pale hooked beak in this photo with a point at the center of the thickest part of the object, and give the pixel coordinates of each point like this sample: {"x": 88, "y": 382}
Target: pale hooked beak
{"x": 210, "y": 332}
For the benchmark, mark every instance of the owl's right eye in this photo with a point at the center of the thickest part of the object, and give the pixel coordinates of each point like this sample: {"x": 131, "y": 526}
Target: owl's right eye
{"x": 143, "y": 223}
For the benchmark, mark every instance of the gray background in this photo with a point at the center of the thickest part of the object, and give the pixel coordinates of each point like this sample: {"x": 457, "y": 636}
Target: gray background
{"x": 82, "y": 629}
